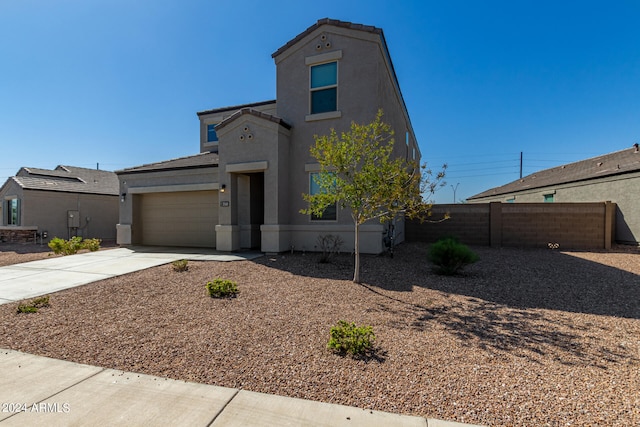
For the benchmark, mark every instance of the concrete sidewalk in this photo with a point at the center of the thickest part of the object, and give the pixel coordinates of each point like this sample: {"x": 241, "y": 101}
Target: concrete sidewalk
{"x": 39, "y": 391}
{"x": 36, "y": 278}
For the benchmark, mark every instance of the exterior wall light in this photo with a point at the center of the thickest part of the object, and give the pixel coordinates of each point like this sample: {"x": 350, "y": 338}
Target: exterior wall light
{"x": 223, "y": 188}
{"x": 123, "y": 197}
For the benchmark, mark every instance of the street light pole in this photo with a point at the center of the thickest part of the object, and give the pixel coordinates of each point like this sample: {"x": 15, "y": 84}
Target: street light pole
{"x": 454, "y": 192}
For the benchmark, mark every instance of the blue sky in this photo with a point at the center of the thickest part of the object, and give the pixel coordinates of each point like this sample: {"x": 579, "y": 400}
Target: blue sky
{"x": 119, "y": 82}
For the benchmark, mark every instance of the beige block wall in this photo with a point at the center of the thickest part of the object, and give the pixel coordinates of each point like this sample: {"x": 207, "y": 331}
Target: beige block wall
{"x": 571, "y": 225}
{"x": 623, "y": 190}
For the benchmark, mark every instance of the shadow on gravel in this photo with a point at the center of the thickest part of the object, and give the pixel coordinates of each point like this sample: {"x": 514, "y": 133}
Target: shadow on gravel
{"x": 518, "y": 278}
{"x": 500, "y": 291}
{"x": 24, "y": 248}
{"x": 523, "y": 333}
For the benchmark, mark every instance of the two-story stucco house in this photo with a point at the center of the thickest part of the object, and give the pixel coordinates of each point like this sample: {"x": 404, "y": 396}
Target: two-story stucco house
{"x": 244, "y": 189}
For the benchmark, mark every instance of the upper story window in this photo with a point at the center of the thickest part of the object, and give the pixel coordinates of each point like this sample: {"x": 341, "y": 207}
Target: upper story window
{"x": 324, "y": 88}
{"x": 549, "y": 198}
{"x": 211, "y": 133}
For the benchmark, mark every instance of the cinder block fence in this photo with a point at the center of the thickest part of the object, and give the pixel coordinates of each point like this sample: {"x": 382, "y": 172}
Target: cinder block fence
{"x": 570, "y": 225}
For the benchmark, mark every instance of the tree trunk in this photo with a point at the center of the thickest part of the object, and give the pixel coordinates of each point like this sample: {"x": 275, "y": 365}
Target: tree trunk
{"x": 356, "y": 272}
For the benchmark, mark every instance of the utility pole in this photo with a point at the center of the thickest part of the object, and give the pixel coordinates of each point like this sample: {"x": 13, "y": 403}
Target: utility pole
{"x": 521, "y": 165}
{"x": 454, "y": 192}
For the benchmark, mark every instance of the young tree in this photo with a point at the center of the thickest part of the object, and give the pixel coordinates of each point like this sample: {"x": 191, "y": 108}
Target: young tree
{"x": 359, "y": 172}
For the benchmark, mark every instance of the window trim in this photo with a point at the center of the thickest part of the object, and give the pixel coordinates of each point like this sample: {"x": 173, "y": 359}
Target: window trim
{"x": 8, "y": 218}
{"x": 313, "y": 90}
{"x": 323, "y": 58}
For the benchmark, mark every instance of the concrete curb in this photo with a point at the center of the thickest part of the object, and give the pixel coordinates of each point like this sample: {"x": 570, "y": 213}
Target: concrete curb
{"x": 40, "y": 391}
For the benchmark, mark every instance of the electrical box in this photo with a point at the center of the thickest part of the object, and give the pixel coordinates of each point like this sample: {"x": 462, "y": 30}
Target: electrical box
{"x": 73, "y": 219}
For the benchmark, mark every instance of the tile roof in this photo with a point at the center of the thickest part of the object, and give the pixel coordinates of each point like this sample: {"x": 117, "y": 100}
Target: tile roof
{"x": 201, "y": 160}
{"x": 69, "y": 179}
{"x": 616, "y": 163}
{"x": 255, "y": 113}
{"x": 236, "y": 107}
{"x": 327, "y": 21}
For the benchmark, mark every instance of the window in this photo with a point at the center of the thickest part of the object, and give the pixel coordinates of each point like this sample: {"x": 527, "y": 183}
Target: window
{"x": 13, "y": 212}
{"x": 548, "y": 198}
{"x": 324, "y": 88}
{"x": 211, "y": 133}
{"x": 511, "y": 200}
{"x": 330, "y": 212}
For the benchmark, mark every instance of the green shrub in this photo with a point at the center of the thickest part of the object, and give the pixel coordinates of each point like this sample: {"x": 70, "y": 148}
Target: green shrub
{"x": 450, "y": 256}
{"x": 73, "y": 245}
{"x": 346, "y": 337}
{"x": 34, "y": 305}
{"x": 180, "y": 265}
{"x": 92, "y": 244}
{"x": 220, "y": 288}
{"x": 57, "y": 245}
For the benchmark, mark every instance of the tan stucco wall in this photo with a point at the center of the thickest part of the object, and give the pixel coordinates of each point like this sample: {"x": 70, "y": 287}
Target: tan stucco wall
{"x": 252, "y": 145}
{"x": 218, "y": 117}
{"x": 365, "y": 84}
{"x": 48, "y": 211}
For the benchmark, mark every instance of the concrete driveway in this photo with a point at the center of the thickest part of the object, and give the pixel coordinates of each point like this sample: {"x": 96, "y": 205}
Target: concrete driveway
{"x": 36, "y": 278}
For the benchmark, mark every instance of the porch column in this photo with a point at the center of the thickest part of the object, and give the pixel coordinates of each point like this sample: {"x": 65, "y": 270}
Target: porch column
{"x": 228, "y": 230}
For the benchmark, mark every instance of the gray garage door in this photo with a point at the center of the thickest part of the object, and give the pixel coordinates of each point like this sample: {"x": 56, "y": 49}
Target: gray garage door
{"x": 179, "y": 219}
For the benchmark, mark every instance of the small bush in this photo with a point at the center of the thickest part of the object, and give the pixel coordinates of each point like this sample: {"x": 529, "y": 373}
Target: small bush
{"x": 346, "y": 337}
{"x": 450, "y": 256}
{"x": 73, "y": 245}
{"x": 220, "y": 288}
{"x": 329, "y": 245}
{"x": 92, "y": 244}
{"x": 56, "y": 245}
{"x": 34, "y": 305}
{"x": 180, "y": 265}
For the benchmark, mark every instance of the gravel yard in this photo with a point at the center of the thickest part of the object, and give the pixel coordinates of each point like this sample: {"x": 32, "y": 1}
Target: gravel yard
{"x": 523, "y": 338}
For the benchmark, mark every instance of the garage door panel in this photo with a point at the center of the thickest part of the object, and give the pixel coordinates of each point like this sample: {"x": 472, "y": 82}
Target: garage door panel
{"x": 179, "y": 219}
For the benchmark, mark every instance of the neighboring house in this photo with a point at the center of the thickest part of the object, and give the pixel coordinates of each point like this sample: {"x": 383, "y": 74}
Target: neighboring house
{"x": 611, "y": 177}
{"x": 64, "y": 202}
{"x": 244, "y": 189}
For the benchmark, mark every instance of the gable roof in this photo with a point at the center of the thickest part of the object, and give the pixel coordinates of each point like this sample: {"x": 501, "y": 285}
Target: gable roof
{"x": 332, "y": 22}
{"x": 236, "y": 107}
{"x": 255, "y": 113}
{"x": 69, "y": 179}
{"x": 356, "y": 27}
{"x": 201, "y": 160}
{"x": 616, "y": 163}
